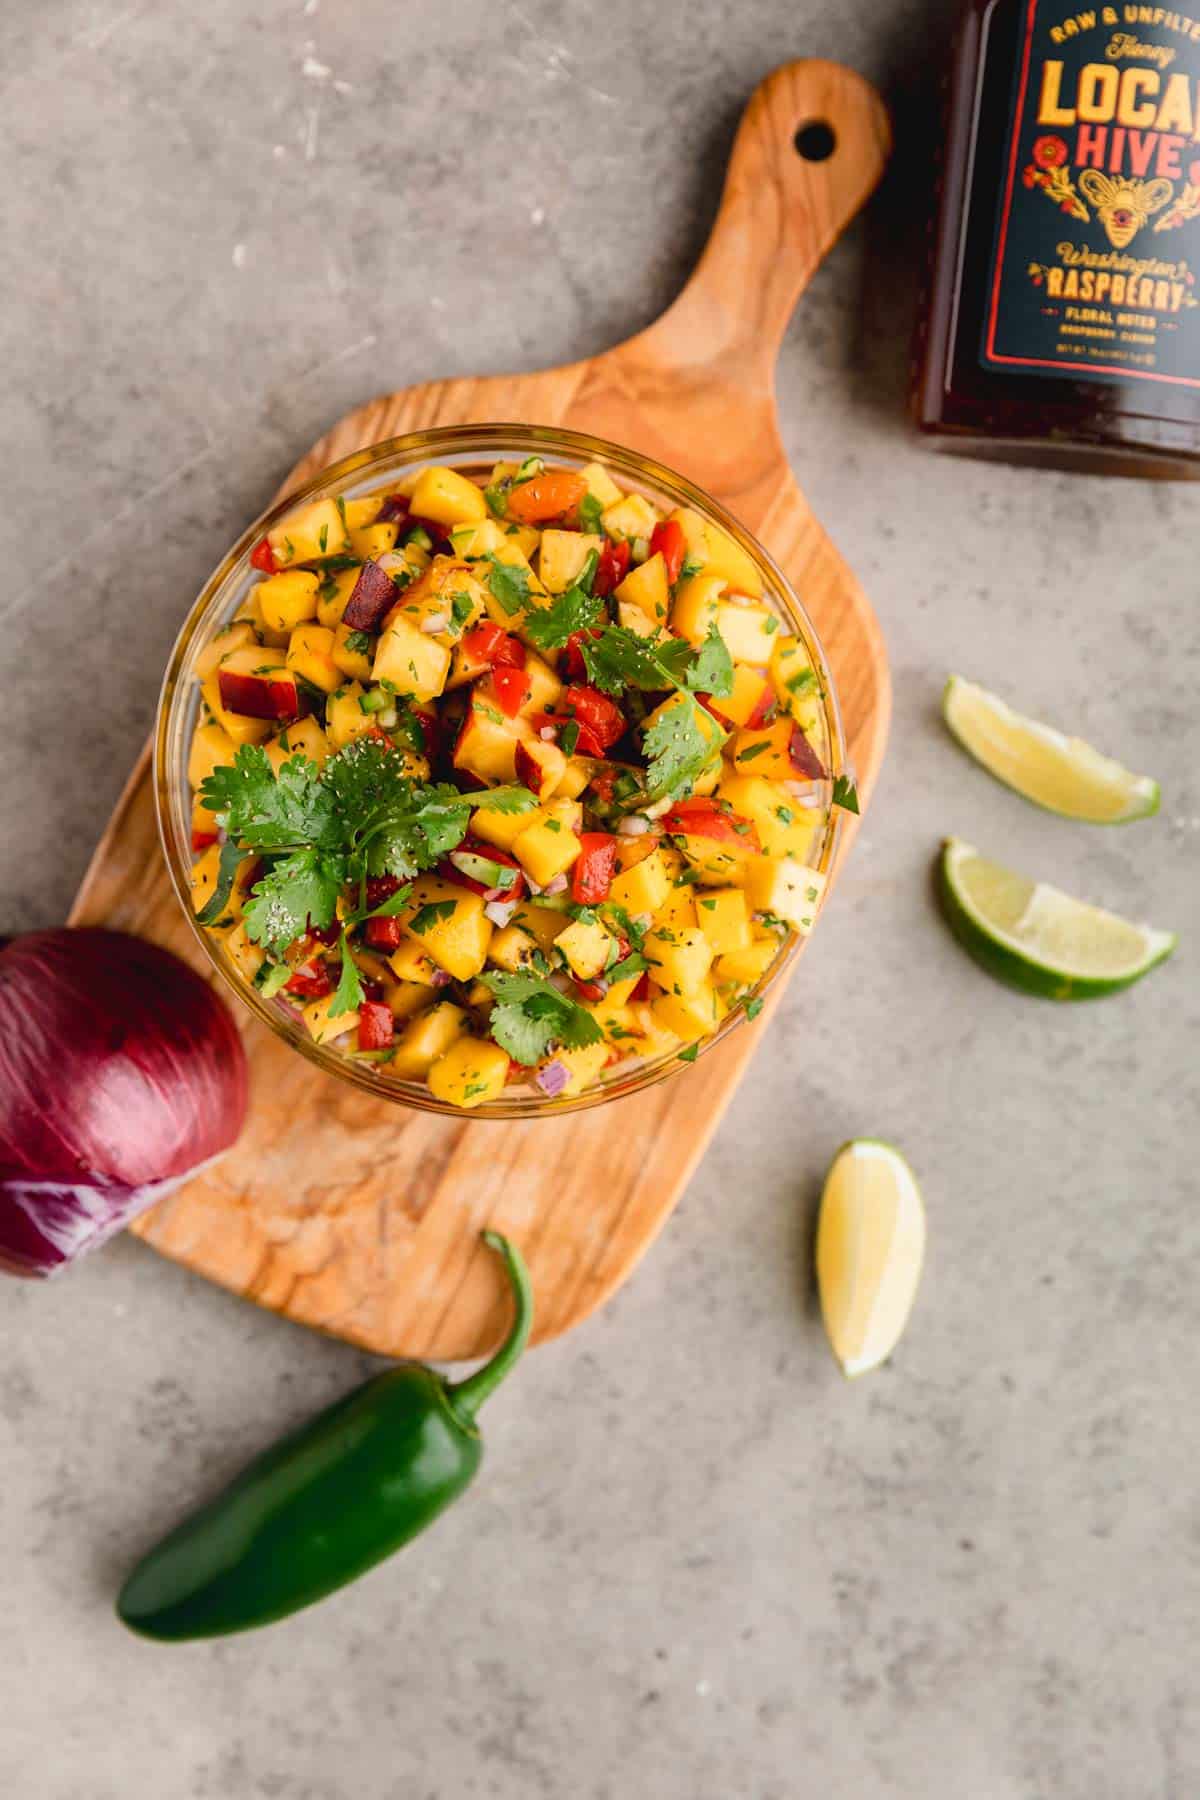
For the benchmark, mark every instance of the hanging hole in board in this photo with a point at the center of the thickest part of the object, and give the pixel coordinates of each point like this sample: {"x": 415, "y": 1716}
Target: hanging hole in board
{"x": 816, "y": 141}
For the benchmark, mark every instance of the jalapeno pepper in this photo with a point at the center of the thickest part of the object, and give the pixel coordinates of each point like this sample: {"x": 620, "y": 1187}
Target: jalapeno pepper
{"x": 327, "y": 1503}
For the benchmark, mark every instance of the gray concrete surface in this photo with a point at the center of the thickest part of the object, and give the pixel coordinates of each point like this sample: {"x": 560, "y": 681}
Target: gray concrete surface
{"x": 699, "y": 1566}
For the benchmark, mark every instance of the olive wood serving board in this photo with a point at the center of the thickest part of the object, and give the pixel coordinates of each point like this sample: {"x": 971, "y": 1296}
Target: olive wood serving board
{"x": 362, "y": 1218}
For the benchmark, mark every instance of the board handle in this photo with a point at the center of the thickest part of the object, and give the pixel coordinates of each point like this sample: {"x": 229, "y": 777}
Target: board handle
{"x": 810, "y": 150}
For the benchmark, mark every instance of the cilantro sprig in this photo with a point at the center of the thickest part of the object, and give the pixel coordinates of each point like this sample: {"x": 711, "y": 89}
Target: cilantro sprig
{"x": 575, "y": 610}
{"x": 323, "y": 830}
{"x": 685, "y": 740}
{"x": 531, "y": 1016}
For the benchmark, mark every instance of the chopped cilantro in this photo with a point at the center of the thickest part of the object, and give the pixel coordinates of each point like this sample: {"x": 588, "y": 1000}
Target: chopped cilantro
{"x": 509, "y": 583}
{"x": 531, "y": 1015}
{"x": 754, "y": 750}
{"x": 359, "y": 643}
{"x": 754, "y": 1006}
{"x": 712, "y": 671}
{"x": 845, "y": 794}
{"x": 690, "y": 1054}
{"x": 575, "y": 610}
{"x": 434, "y": 912}
{"x": 348, "y": 995}
{"x": 505, "y": 800}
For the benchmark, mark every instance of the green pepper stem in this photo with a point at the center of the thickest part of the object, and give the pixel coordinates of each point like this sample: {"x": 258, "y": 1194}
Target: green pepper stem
{"x": 469, "y": 1395}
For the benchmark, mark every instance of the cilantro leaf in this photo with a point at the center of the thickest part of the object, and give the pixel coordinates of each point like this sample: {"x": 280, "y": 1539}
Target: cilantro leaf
{"x": 303, "y": 887}
{"x": 412, "y": 835}
{"x": 678, "y": 749}
{"x": 496, "y": 496}
{"x": 274, "y": 977}
{"x": 712, "y": 671}
{"x": 633, "y": 964}
{"x": 845, "y": 794}
{"x": 754, "y": 1006}
{"x": 533, "y": 1015}
{"x": 690, "y": 1054}
{"x": 434, "y": 912}
{"x": 265, "y": 811}
{"x": 393, "y": 907}
{"x": 511, "y": 799}
{"x": 509, "y": 583}
{"x": 621, "y": 659}
{"x": 576, "y": 610}
{"x": 348, "y": 996}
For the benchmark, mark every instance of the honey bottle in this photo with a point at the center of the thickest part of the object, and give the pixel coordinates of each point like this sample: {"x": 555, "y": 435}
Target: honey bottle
{"x": 1062, "y": 323}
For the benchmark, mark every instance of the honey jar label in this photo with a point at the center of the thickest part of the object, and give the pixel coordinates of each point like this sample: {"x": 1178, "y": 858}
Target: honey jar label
{"x": 1099, "y": 215}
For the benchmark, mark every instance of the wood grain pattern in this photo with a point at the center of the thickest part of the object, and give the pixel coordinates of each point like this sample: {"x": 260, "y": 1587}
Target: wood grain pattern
{"x": 362, "y": 1218}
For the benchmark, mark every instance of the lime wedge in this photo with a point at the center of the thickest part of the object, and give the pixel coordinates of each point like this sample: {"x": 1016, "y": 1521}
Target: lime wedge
{"x": 1038, "y": 939}
{"x": 870, "y": 1248}
{"x": 1063, "y": 774}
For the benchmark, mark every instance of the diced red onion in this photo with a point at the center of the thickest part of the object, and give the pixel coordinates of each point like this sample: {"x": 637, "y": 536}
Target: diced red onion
{"x": 433, "y": 623}
{"x": 553, "y": 1079}
{"x": 633, "y": 825}
{"x": 558, "y": 886}
{"x": 659, "y": 808}
{"x": 548, "y": 734}
{"x": 394, "y": 562}
{"x": 121, "y": 1074}
{"x": 439, "y": 979}
{"x": 388, "y": 717}
{"x": 561, "y": 980}
{"x": 532, "y": 885}
{"x": 500, "y": 912}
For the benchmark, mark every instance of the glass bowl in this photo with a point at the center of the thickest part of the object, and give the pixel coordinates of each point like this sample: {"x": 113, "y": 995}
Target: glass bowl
{"x": 471, "y": 448}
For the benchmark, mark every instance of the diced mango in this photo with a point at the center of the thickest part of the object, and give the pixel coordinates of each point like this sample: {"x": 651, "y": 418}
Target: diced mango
{"x": 370, "y": 542}
{"x": 632, "y": 618}
{"x": 695, "y": 607}
{"x": 644, "y": 888}
{"x": 450, "y": 925}
{"x": 447, "y": 498}
{"x": 546, "y": 849}
{"x": 784, "y": 827}
{"x": 205, "y": 875}
{"x": 353, "y": 652}
{"x": 407, "y": 997}
{"x": 414, "y": 662}
{"x": 425, "y": 1038}
{"x": 502, "y": 828}
{"x": 724, "y": 917}
{"x": 310, "y": 534}
{"x": 541, "y": 923}
{"x": 479, "y": 539}
{"x": 647, "y": 588}
{"x": 287, "y": 600}
{"x": 797, "y": 686}
{"x": 345, "y": 719}
{"x": 616, "y": 1021}
{"x": 237, "y": 635}
{"x": 323, "y": 1023}
{"x": 748, "y": 631}
{"x": 601, "y": 485}
{"x": 574, "y": 778}
{"x": 632, "y": 516}
{"x": 487, "y": 744}
{"x": 678, "y": 910}
{"x": 718, "y": 554}
{"x": 765, "y": 752}
{"x": 304, "y": 738}
{"x": 586, "y": 948}
{"x": 692, "y": 1015}
{"x": 360, "y": 513}
{"x": 748, "y": 966}
{"x": 583, "y": 1066}
{"x": 562, "y": 555}
{"x": 310, "y": 654}
{"x": 211, "y": 748}
{"x": 544, "y": 684}
{"x": 473, "y": 1070}
{"x": 679, "y": 960}
{"x": 333, "y": 595}
{"x": 787, "y": 889}
{"x": 511, "y": 949}
{"x": 410, "y": 963}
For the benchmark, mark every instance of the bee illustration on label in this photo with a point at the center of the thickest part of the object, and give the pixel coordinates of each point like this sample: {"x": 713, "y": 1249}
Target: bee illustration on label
{"x": 1124, "y": 206}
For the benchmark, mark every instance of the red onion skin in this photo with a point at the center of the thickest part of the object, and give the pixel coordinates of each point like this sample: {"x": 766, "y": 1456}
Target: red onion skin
{"x": 120, "y": 1072}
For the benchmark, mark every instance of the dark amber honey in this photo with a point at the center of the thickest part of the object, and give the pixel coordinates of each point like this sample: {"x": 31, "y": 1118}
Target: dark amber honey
{"x": 1062, "y": 321}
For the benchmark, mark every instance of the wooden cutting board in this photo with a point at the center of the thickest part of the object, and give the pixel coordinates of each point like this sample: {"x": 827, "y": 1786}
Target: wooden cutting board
{"x": 362, "y": 1218}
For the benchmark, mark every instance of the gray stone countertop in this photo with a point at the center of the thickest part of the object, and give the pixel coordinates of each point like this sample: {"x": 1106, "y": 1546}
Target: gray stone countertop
{"x": 699, "y": 1565}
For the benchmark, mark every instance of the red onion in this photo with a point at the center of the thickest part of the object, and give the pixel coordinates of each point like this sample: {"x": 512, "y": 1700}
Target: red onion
{"x": 500, "y": 912}
{"x": 559, "y": 885}
{"x": 553, "y": 1078}
{"x": 121, "y": 1072}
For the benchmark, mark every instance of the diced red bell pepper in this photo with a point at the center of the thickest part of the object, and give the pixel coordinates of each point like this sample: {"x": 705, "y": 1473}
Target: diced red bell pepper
{"x": 667, "y": 540}
{"x": 602, "y": 784}
{"x": 592, "y": 874}
{"x": 324, "y": 934}
{"x": 590, "y": 990}
{"x": 385, "y": 933}
{"x": 511, "y": 688}
{"x": 546, "y": 496}
{"x": 708, "y": 819}
{"x": 263, "y": 557}
{"x": 372, "y": 989}
{"x": 601, "y": 716}
{"x": 312, "y": 981}
{"x": 203, "y": 840}
{"x": 642, "y": 990}
{"x": 492, "y": 644}
{"x": 573, "y": 663}
{"x": 612, "y": 567}
{"x": 376, "y": 1026}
